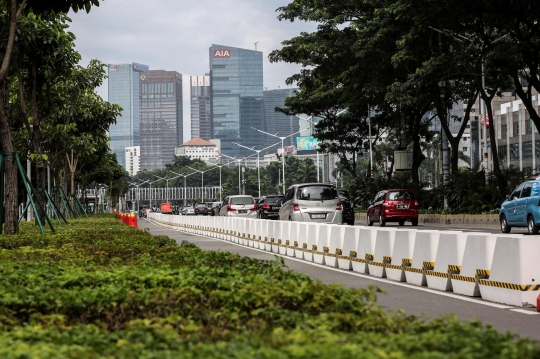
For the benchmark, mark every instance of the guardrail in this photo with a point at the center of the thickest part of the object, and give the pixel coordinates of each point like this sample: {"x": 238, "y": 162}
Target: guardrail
{"x": 450, "y": 220}
{"x": 498, "y": 268}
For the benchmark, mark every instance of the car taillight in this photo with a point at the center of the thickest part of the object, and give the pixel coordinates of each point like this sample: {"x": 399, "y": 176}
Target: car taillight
{"x": 254, "y": 208}
{"x": 296, "y": 207}
{"x": 416, "y": 203}
{"x": 230, "y": 209}
{"x": 266, "y": 206}
{"x": 339, "y": 207}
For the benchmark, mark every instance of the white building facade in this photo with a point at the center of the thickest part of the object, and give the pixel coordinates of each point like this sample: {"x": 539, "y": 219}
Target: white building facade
{"x": 133, "y": 155}
{"x": 198, "y": 148}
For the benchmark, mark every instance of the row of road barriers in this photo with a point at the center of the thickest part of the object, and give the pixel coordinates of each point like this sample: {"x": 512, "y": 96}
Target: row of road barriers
{"x": 497, "y": 268}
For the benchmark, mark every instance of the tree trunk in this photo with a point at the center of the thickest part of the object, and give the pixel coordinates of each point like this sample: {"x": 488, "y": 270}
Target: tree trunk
{"x": 501, "y": 183}
{"x": 11, "y": 217}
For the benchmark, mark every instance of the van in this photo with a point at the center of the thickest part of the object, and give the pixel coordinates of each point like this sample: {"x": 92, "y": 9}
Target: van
{"x": 239, "y": 206}
{"x": 311, "y": 202}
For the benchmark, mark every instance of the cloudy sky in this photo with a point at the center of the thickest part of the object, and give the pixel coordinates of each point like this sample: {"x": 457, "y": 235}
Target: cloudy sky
{"x": 175, "y": 35}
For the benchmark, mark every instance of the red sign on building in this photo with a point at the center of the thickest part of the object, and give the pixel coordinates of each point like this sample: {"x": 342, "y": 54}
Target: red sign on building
{"x": 222, "y": 54}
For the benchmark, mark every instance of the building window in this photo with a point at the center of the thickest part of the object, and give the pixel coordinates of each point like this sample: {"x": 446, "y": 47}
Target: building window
{"x": 526, "y": 148}
{"x": 502, "y": 153}
{"x": 514, "y": 152}
{"x": 504, "y": 131}
{"x": 464, "y": 149}
{"x": 529, "y": 126}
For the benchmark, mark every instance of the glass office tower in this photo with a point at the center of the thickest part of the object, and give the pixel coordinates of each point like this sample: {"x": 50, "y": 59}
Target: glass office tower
{"x": 201, "y": 112}
{"x": 124, "y": 91}
{"x": 236, "y": 78}
{"x": 277, "y": 122}
{"x": 161, "y": 117}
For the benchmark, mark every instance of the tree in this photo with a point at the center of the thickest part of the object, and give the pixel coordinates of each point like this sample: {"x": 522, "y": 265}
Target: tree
{"x": 9, "y": 21}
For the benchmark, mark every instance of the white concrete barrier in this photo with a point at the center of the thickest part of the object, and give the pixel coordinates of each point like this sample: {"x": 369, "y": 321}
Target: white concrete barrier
{"x": 311, "y": 239}
{"x": 264, "y": 238}
{"x": 350, "y": 247}
{"x": 291, "y": 239}
{"x": 322, "y": 241}
{"x": 246, "y": 236}
{"x": 277, "y": 236}
{"x": 335, "y": 245}
{"x": 301, "y": 244}
{"x": 268, "y": 240}
{"x": 384, "y": 245}
{"x": 366, "y": 247}
{"x": 283, "y": 235}
{"x": 401, "y": 254}
{"x": 476, "y": 264}
{"x": 423, "y": 258}
{"x": 449, "y": 257}
{"x": 515, "y": 272}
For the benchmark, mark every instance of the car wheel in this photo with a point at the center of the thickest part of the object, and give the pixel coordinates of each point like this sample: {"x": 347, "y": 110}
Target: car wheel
{"x": 505, "y": 228}
{"x": 401, "y": 223}
{"x": 382, "y": 222}
{"x": 531, "y": 226}
{"x": 369, "y": 221}
{"x": 414, "y": 222}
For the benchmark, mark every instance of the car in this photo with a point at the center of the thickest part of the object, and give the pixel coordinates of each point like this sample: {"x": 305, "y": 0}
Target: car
{"x": 202, "y": 208}
{"x": 214, "y": 208}
{"x": 239, "y": 206}
{"x": 521, "y": 208}
{"x": 188, "y": 210}
{"x": 348, "y": 207}
{"x": 393, "y": 205}
{"x": 311, "y": 202}
{"x": 267, "y": 206}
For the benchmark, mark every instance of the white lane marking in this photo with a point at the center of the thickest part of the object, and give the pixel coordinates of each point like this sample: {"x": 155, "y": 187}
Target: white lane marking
{"x": 525, "y": 311}
{"x": 400, "y": 284}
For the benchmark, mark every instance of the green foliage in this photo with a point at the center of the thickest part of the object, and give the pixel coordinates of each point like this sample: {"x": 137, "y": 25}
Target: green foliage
{"x": 99, "y": 288}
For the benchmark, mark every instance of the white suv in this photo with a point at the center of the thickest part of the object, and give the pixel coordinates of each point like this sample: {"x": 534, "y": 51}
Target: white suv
{"x": 239, "y": 206}
{"x": 312, "y": 202}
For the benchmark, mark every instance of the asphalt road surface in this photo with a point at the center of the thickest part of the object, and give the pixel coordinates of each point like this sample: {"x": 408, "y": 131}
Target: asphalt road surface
{"x": 419, "y": 301}
{"x": 520, "y": 230}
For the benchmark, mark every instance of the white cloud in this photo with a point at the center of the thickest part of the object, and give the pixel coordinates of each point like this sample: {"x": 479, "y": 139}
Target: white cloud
{"x": 175, "y": 35}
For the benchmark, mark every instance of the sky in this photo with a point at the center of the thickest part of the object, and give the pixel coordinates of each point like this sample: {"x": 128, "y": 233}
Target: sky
{"x": 175, "y": 35}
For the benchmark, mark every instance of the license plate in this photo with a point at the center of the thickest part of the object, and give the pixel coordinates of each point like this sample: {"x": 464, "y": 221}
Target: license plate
{"x": 242, "y": 211}
{"x": 402, "y": 206}
{"x": 318, "y": 216}
{"x": 274, "y": 208}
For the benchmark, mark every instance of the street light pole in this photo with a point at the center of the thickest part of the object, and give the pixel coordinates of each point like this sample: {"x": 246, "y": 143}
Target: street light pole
{"x": 220, "y": 188}
{"x": 282, "y": 149}
{"x": 202, "y": 180}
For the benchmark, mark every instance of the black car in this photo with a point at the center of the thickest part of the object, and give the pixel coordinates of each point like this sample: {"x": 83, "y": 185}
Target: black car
{"x": 202, "y": 208}
{"x": 214, "y": 208}
{"x": 268, "y": 207}
{"x": 348, "y": 207}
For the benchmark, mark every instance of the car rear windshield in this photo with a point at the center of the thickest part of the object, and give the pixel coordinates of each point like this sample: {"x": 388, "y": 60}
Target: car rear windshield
{"x": 272, "y": 199}
{"x": 241, "y": 200}
{"x": 316, "y": 193}
{"x": 201, "y": 204}
{"x": 400, "y": 196}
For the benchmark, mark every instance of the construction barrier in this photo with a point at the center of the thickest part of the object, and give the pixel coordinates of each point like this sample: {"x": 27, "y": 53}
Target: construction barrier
{"x": 499, "y": 268}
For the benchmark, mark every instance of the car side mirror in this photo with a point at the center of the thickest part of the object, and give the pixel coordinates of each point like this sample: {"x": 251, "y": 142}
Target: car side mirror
{"x": 507, "y": 197}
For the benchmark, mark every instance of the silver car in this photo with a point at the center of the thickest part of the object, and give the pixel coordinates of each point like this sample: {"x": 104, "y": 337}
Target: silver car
{"x": 311, "y": 202}
{"x": 239, "y": 206}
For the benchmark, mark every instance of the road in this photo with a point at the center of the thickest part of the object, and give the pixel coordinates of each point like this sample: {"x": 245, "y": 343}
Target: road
{"x": 451, "y": 228}
{"x": 419, "y": 301}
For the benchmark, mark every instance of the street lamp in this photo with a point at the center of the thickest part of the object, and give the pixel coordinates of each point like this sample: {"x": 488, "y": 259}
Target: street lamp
{"x": 185, "y": 188}
{"x": 151, "y": 191}
{"x": 282, "y": 148}
{"x": 238, "y": 161}
{"x": 167, "y": 190}
{"x": 137, "y": 193}
{"x": 258, "y": 168}
{"x": 220, "y": 189}
{"x": 202, "y": 180}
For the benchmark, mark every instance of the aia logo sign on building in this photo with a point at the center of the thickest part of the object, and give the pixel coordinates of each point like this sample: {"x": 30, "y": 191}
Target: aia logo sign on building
{"x": 222, "y": 54}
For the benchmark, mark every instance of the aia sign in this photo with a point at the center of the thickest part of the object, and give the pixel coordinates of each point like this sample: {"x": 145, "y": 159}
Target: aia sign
{"x": 222, "y": 54}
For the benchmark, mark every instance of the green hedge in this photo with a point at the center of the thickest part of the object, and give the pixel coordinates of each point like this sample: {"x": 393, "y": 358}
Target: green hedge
{"x": 101, "y": 289}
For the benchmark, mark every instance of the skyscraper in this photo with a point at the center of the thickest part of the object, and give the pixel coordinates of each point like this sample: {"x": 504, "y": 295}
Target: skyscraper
{"x": 236, "y": 78}
{"x": 161, "y": 117}
{"x": 124, "y": 91}
{"x": 277, "y": 122}
{"x": 201, "y": 117}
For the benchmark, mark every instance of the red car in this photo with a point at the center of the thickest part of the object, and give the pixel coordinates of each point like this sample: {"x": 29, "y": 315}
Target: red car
{"x": 393, "y": 205}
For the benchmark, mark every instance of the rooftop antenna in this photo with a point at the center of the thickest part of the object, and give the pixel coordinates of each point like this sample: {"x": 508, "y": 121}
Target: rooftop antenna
{"x": 256, "y": 45}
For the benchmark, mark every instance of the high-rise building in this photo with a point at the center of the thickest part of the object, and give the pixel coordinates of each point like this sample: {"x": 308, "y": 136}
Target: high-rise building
{"x": 277, "y": 122}
{"x": 236, "y": 79}
{"x": 201, "y": 111}
{"x": 161, "y": 117}
{"x": 124, "y": 91}
{"x": 133, "y": 155}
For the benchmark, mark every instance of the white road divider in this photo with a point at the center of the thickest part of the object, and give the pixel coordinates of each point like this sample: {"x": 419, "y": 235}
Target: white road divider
{"x": 449, "y": 258}
{"x": 384, "y": 243}
{"x": 499, "y": 268}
